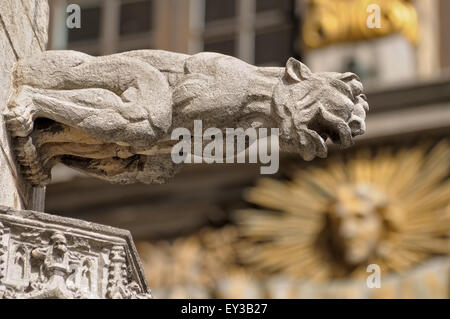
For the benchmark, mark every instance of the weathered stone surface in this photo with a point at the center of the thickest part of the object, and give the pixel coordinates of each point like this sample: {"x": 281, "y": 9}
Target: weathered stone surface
{"x": 9, "y": 192}
{"x": 19, "y": 38}
{"x": 45, "y": 256}
{"x": 112, "y": 116}
{"x": 19, "y": 28}
{"x": 38, "y": 13}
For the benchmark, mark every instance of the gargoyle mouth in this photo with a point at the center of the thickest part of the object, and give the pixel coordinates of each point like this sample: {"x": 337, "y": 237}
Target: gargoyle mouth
{"x": 329, "y": 133}
{"x": 328, "y": 126}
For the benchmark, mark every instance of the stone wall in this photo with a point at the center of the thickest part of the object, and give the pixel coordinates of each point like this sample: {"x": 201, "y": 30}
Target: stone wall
{"x": 23, "y": 32}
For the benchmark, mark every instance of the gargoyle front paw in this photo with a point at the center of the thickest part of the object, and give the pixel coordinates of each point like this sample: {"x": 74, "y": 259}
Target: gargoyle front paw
{"x": 19, "y": 123}
{"x": 20, "y": 114}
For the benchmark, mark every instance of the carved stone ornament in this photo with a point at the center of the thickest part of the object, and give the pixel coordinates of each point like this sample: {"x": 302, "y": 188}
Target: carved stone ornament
{"x": 112, "y": 116}
{"x": 46, "y": 256}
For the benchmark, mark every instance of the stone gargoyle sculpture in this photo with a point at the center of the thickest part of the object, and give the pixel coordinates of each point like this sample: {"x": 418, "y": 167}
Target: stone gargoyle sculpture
{"x": 111, "y": 116}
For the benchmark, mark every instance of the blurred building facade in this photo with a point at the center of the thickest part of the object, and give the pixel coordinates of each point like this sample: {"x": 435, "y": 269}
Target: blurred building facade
{"x": 249, "y": 30}
{"x": 266, "y": 32}
{"x": 190, "y": 221}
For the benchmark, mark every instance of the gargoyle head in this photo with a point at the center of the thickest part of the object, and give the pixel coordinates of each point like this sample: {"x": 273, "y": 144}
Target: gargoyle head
{"x": 315, "y": 106}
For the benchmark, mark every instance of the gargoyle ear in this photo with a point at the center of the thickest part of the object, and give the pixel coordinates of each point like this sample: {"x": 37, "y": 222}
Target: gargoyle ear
{"x": 296, "y": 70}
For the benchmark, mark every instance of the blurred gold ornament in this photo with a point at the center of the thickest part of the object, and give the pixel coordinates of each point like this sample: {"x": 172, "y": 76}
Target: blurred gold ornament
{"x": 191, "y": 266}
{"x": 336, "y": 21}
{"x": 392, "y": 209}
{"x": 388, "y": 209}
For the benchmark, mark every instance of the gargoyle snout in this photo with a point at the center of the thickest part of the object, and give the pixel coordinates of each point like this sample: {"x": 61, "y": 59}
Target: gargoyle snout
{"x": 357, "y": 125}
{"x": 357, "y": 122}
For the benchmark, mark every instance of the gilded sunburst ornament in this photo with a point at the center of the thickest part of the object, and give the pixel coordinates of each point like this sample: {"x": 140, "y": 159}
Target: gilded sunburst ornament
{"x": 390, "y": 209}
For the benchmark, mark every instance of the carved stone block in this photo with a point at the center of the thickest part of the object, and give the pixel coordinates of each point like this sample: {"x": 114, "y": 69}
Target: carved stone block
{"x": 46, "y": 256}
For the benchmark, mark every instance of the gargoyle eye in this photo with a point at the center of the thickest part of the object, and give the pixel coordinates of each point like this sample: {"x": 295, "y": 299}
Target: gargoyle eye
{"x": 287, "y": 111}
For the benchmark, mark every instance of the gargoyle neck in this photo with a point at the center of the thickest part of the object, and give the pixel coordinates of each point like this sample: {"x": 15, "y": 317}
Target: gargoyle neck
{"x": 260, "y": 99}
{"x": 266, "y": 80}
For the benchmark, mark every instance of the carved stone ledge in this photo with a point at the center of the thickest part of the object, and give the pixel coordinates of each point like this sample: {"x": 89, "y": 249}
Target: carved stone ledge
{"x": 46, "y": 256}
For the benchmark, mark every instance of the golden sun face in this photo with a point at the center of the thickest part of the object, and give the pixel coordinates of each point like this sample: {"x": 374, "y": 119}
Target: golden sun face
{"x": 389, "y": 209}
{"x": 355, "y": 223}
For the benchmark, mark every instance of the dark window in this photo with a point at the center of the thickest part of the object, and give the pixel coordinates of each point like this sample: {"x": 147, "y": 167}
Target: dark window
{"x": 222, "y": 46}
{"x": 219, "y": 9}
{"x": 273, "y": 47}
{"x": 135, "y": 17}
{"x": 90, "y": 25}
{"x": 266, "y": 5}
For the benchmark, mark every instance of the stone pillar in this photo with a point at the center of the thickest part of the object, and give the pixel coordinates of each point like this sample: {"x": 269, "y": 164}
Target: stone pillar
{"x": 23, "y": 32}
